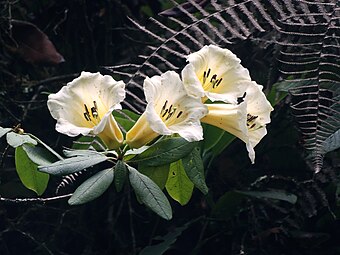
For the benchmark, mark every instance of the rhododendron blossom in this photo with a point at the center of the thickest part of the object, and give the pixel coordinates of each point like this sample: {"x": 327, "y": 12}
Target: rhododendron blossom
{"x": 84, "y": 106}
{"x": 169, "y": 111}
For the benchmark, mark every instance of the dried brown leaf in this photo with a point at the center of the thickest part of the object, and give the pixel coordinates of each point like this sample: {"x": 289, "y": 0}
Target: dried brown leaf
{"x": 34, "y": 46}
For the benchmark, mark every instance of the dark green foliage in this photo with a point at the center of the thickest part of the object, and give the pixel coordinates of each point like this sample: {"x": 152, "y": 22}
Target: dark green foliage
{"x": 93, "y": 187}
{"x": 164, "y": 152}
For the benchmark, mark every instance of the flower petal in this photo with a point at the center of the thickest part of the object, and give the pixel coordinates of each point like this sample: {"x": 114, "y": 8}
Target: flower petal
{"x": 258, "y": 105}
{"x": 109, "y": 131}
{"x": 141, "y": 133}
{"x": 170, "y": 110}
{"x": 255, "y": 136}
{"x": 231, "y": 118}
{"x": 191, "y": 82}
{"x": 65, "y": 127}
{"x": 84, "y": 106}
{"x": 150, "y": 90}
{"x": 170, "y": 88}
{"x": 218, "y": 73}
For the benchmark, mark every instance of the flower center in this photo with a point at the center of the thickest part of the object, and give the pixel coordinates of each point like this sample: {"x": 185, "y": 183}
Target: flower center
{"x": 93, "y": 116}
{"x": 167, "y": 113}
{"x": 212, "y": 82}
{"x": 251, "y": 121}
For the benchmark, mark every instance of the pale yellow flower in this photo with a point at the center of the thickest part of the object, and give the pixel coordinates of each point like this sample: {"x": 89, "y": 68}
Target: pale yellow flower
{"x": 169, "y": 111}
{"x": 246, "y": 120}
{"x": 85, "y": 107}
{"x": 216, "y": 74}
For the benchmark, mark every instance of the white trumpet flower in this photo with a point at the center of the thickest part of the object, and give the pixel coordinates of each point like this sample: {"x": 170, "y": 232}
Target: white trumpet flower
{"x": 85, "y": 107}
{"x": 246, "y": 120}
{"x": 169, "y": 111}
{"x": 216, "y": 74}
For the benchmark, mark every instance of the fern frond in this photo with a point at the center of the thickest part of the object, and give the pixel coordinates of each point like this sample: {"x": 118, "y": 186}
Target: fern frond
{"x": 314, "y": 103}
{"x": 304, "y": 33}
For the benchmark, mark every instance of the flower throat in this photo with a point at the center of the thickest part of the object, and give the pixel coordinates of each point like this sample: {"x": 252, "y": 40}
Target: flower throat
{"x": 167, "y": 113}
{"x": 213, "y": 80}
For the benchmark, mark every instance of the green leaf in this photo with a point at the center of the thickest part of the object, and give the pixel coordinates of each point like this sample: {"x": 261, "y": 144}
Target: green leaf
{"x": 15, "y": 140}
{"x": 159, "y": 174}
{"x": 228, "y": 205}
{"x": 167, "y": 240}
{"x": 28, "y": 172}
{"x": 150, "y": 194}
{"x": 72, "y": 165}
{"x": 223, "y": 143}
{"x": 120, "y": 175}
{"x": 4, "y": 131}
{"x": 86, "y": 142}
{"x": 46, "y": 147}
{"x": 165, "y": 152}
{"x": 287, "y": 85}
{"x": 128, "y": 114}
{"x": 193, "y": 166}
{"x": 125, "y": 118}
{"x": 129, "y": 154}
{"x": 273, "y": 194}
{"x": 212, "y": 135}
{"x": 39, "y": 155}
{"x": 178, "y": 185}
{"x": 332, "y": 142}
{"x": 93, "y": 187}
{"x": 74, "y": 153}
{"x": 276, "y": 94}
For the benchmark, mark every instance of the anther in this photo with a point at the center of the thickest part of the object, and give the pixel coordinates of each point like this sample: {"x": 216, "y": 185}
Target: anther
{"x": 169, "y": 116}
{"x": 164, "y": 106}
{"x": 213, "y": 78}
{"x": 166, "y": 111}
{"x": 208, "y": 73}
{"x": 171, "y": 112}
{"x": 87, "y": 113}
{"x": 250, "y": 117}
{"x": 94, "y": 112}
{"x": 241, "y": 99}
{"x": 250, "y": 120}
{"x": 86, "y": 109}
{"x": 218, "y": 82}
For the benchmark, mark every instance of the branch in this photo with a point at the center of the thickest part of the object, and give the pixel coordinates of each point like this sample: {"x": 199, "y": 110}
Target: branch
{"x": 33, "y": 200}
